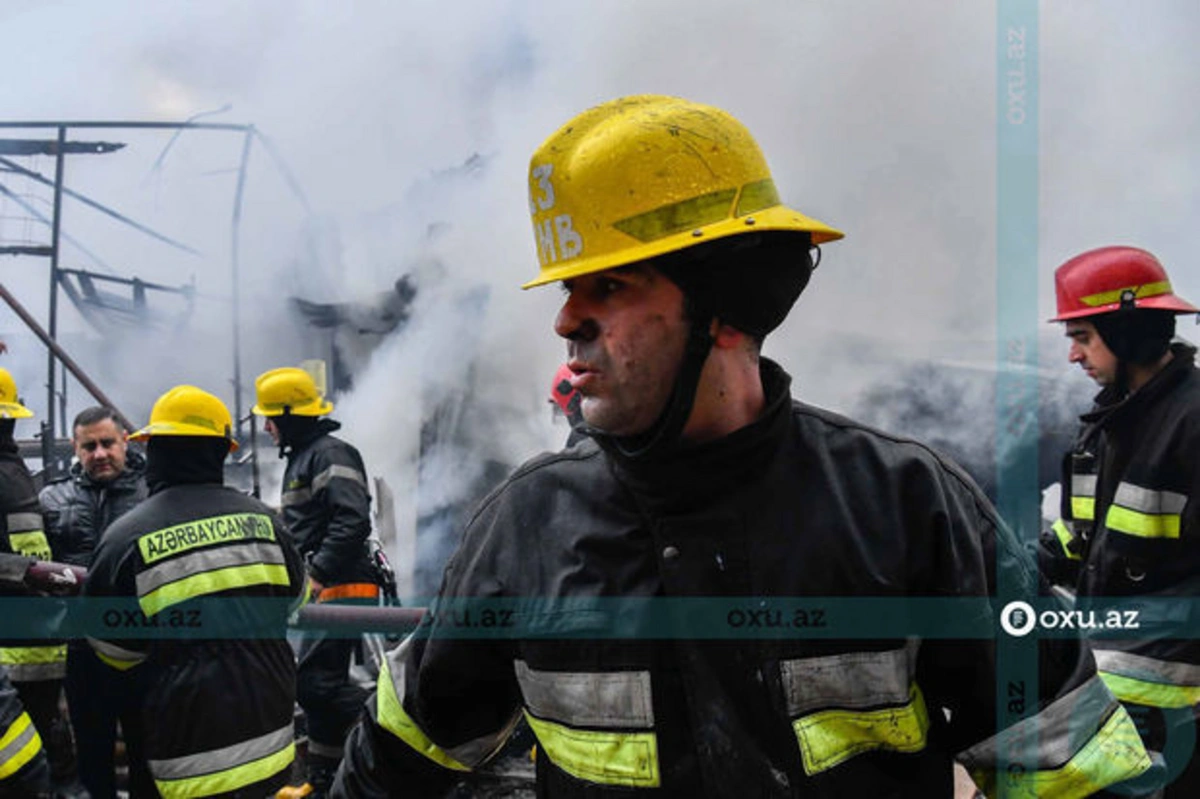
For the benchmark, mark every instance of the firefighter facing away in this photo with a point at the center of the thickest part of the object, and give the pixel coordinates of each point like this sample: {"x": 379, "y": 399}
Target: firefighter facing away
{"x": 702, "y": 477}
{"x": 326, "y": 506}
{"x": 216, "y": 699}
{"x": 24, "y": 770}
{"x": 1130, "y": 521}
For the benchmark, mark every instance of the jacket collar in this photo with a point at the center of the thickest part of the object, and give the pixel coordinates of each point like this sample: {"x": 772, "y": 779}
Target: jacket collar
{"x": 1111, "y": 409}
{"x": 687, "y": 474}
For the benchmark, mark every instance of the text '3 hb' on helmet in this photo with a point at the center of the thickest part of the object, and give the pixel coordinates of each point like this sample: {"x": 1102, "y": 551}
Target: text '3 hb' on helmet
{"x": 289, "y": 390}
{"x": 647, "y": 175}
{"x": 10, "y": 405}
{"x": 1098, "y": 281}
{"x": 188, "y": 411}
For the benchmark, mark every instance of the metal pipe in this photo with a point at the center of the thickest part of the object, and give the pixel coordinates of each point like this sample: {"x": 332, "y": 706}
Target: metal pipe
{"x": 69, "y": 362}
{"x": 51, "y": 466}
{"x": 235, "y": 234}
{"x": 132, "y": 125}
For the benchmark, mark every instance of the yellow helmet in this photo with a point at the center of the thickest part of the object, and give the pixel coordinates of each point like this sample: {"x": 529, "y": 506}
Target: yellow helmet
{"x": 188, "y": 411}
{"x": 10, "y": 406}
{"x": 289, "y": 390}
{"x": 646, "y": 175}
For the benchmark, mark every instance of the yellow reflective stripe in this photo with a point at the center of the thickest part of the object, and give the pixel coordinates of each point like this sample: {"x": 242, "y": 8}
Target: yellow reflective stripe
{"x": 1114, "y": 754}
{"x": 1140, "y": 292}
{"x": 19, "y": 655}
{"x": 756, "y": 196}
{"x": 830, "y": 737}
{"x": 33, "y": 545}
{"x": 688, "y": 214}
{"x": 212, "y": 582}
{"x": 229, "y": 779}
{"x": 390, "y": 712}
{"x": 1083, "y": 508}
{"x": 603, "y": 757}
{"x": 119, "y": 665}
{"x": 20, "y": 744}
{"x": 1154, "y": 694}
{"x": 1065, "y": 538}
{"x": 1142, "y": 525}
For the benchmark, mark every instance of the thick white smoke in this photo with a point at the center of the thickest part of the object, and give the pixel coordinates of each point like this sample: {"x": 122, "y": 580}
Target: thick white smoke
{"x": 877, "y": 117}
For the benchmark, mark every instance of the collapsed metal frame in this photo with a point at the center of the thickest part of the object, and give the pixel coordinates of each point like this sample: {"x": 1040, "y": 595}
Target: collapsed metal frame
{"x": 61, "y": 147}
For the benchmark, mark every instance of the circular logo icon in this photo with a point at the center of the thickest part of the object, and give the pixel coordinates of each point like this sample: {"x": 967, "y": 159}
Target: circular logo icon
{"x": 1017, "y": 618}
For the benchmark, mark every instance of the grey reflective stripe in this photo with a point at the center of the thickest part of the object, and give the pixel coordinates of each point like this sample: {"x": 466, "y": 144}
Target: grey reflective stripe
{"x": 1057, "y": 733}
{"x": 223, "y": 759}
{"x": 296, "y": 497}
{"x": 472, "y": 753}
{"x": 851, "y": 680}
{"x": 324, "y": 750}
{"x": 1147, "y": 669}
{"x": 603, "y": 700}
{"x": 1083, "y": 485}
{"x": 336, "y": 471}
{"x": 207, "y": 560}
{"x": 115, "y": 652}
{"x": 22, "y": 740}
{"x": 24, "y": 522}
{"x": 32, "y": 672}
{"x": 1148, "y": 501}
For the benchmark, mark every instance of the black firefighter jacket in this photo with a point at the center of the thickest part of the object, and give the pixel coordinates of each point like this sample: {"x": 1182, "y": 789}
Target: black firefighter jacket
{"x": 78, "y": 509}
{"x": 182, "y": 575}
{"x": 772, "y": 691}
{"x": 23, "y": 533}
{"x": 1131, "y": 529}
{"x": 327, "y": 507}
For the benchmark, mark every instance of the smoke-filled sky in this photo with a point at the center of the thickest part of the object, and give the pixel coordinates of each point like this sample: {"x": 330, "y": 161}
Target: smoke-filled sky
{"x": 876, "y": 116}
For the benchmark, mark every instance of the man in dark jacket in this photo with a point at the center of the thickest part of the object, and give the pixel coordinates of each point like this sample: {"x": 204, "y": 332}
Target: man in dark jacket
{"x": 107, "y": 480}
{"x": 36, "y": 668}
{"x": 673, "y": 602}
{"x": 1130, "y": 523}
{"x": 326, "y": 506}
{"x": 212, "y": 573}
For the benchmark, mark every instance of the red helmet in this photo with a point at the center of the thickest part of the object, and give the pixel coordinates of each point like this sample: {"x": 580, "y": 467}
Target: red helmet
{"x": 1097, "y": 281}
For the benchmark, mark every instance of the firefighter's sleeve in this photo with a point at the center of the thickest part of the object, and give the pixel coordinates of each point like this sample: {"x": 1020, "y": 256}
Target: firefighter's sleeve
{"x": 1060, "y": 554}
{"x": 24, "y": 770}
{"x": 339, "y": 484}
{"x": 1027, "y": 714}
{"x": 110, "y": 594}
{"x": 446, "y": 699}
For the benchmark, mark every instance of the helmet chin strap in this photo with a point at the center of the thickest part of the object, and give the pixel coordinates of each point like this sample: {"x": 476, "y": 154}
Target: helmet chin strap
{"x": 664, "y": 434}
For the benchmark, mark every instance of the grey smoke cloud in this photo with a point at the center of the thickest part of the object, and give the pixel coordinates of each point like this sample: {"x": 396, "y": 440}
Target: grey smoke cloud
{"x": 877, "y": 117}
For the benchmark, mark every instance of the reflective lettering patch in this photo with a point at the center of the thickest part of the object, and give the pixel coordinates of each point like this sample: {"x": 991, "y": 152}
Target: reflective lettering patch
{"x": 205, "y": 532}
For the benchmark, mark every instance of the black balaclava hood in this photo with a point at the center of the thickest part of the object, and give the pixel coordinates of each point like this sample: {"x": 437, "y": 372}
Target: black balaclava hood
{"x": 294, "y": 430}
{"x": 7, "y": 435}
{"x": 749, "y": 282}
{"x": 180, "y": 460}
{"x": 1137, "y": 335}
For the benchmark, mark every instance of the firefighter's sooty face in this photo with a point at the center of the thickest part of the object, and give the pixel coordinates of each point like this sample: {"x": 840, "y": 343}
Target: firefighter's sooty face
{"x": 626, "y": 332}
{"x": 100, "y": 448}
{"x": 1090, "y": 352}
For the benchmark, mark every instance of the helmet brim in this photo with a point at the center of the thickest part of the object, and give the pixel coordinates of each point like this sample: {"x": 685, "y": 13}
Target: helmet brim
{"x": 179, "y": 429}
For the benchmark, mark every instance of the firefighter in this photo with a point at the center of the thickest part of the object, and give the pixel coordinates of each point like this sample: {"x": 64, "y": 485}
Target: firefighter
{"x": 105, "y": 482}
{"x": 216, "y": 569}
{"x": 703, "y": 478}
{"x": 36, "y": 668}
{"x": 1131, "y": 489}
{"x": 24, "y": 771}
{"x": 326, "y": 506}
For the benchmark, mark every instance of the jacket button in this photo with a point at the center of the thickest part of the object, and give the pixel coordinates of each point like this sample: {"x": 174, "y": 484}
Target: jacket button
{"x": 670, "y": 553}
